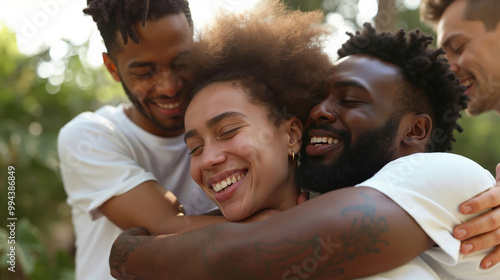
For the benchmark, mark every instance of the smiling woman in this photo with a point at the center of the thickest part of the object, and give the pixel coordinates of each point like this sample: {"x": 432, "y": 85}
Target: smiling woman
{"x": 238, "y": 156}
{"x": 260, "y": 73}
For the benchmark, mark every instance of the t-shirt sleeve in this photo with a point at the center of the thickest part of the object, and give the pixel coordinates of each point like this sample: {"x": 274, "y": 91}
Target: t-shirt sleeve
{"x": 430, "y": 187}
{"x": 96, "y": 162}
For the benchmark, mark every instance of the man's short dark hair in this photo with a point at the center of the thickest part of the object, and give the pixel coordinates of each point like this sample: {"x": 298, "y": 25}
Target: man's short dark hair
{"x": 487, "y": 11}
{"x": 112, "y": 16}
{"x": 428, "y": 87}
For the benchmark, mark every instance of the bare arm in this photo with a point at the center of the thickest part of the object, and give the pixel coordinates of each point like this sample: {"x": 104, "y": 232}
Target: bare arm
{"x": 484, "y": 231}
{"x": 352, "y": 232}
{"x": 152, "y": 207}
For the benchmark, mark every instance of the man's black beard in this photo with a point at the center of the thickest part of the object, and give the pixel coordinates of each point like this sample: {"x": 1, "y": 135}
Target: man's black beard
{"x": 135, "y": 102}
{"x": 367, "y": 156}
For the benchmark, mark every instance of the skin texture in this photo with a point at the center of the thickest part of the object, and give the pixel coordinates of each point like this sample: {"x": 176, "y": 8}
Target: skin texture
{"x": 473, "y": 53}
{"x": 234, "y": 137}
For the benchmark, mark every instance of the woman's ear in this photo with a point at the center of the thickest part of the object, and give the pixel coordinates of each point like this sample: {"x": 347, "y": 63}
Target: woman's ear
{"x": 418, "y": 131}
{"x": 294, "y": 129}
{"x": 111, "y": 66}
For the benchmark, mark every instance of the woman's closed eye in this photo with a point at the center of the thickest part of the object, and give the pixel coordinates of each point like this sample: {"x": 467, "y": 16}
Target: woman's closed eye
{"x": 196, "y": 150}
{"x": 228, "y": 133}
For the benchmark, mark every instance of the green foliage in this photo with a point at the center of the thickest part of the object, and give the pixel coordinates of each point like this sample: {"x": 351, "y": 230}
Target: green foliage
{"x": 479, "y": 140}
{"x": 32, "y": 110}
{"x": 32, "y": 260}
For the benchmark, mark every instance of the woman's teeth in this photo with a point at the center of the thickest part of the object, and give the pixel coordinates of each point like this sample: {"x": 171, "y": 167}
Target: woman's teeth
{"x": 227, "y": 182}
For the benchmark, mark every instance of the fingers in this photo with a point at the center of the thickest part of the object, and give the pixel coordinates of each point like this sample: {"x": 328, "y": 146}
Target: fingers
{"x": 487, "y": 222}
{"x": 485, "y": 200}
{"x": 481, "y": 242}
{"x": 491, "y": 259}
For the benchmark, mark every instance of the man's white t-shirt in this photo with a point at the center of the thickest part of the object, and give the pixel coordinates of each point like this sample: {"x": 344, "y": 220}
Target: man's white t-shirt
{"x": 104, "y": 154}
{"x": 430, "y": 187}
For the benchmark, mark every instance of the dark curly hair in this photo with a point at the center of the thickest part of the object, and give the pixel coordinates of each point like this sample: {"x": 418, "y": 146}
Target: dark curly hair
{"x": 430, "y": 88}
{"x": 487, "y": 11}
{"x": 112, "y": 16}
{"x": 275, "y": 54}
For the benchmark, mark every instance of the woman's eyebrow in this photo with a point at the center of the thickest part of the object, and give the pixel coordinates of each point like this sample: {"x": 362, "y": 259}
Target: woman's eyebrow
{"x": 190, "y": 134}
{"x": 214, "y": 121}
{"x": 217, "y": 119}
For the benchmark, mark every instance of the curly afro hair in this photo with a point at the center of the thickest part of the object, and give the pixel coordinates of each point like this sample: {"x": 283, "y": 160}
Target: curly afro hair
{"x": 431, "y": 87}
{"x": 275, "y": 54}
{"x": 112, "y": 16}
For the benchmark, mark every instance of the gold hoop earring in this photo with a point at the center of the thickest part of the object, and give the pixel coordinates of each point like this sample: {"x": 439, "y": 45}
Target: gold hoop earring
{"x": 293, "y": 156}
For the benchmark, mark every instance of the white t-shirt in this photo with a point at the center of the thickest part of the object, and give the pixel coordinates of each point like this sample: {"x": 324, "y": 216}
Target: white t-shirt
{"x": 104, "y": 154}
{"x": 430, "y": 187}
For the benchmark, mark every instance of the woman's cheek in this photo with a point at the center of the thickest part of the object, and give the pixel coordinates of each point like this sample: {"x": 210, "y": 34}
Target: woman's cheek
{"x": 195, "y": 171}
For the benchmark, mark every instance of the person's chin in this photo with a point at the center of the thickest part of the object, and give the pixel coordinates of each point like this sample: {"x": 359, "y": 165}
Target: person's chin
{"x": 234, "y": 216}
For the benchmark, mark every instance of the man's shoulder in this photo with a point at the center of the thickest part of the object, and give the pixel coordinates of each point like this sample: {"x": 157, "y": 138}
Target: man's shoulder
{"x": 430, "y": 166}
{"x": 103, "y": 121}
{"x": 435, "y": 158}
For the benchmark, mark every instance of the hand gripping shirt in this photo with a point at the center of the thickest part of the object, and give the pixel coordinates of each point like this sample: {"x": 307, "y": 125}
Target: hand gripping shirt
{"x": 430, "y": 187}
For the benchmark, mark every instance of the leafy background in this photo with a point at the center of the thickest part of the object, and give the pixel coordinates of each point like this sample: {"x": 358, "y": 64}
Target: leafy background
{"x": 40, "y": 93}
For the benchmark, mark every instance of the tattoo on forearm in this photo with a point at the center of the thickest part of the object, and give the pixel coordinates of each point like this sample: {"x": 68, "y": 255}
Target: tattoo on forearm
{"x": 363, "y": 238}
{"x": 121, "y": 249}
{"x": 310, "y": 257}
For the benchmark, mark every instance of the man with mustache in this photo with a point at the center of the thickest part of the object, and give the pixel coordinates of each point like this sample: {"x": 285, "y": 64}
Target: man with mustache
{"x": 389, "y": 112}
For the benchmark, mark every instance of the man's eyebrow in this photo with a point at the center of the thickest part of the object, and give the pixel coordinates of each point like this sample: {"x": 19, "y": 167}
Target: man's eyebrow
{"x": 214, "y": 121}
{"x": 140, "y": 64}
{"x": 349, "y": 83}
{"x": 448, "y": 41}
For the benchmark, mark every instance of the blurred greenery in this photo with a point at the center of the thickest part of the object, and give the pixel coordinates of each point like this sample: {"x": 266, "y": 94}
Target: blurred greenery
{"x": 39, "y": 94}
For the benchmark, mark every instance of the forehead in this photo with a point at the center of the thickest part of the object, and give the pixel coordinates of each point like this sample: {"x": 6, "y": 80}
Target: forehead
{"x": 367, "y": 70}
{"x": 217, "y": 98}
{"x": 452, "y": 23}
{"x": 158, "y": 35}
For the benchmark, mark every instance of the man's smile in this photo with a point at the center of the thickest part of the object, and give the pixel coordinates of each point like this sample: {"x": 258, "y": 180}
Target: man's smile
{"x": 322, "y": 142}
